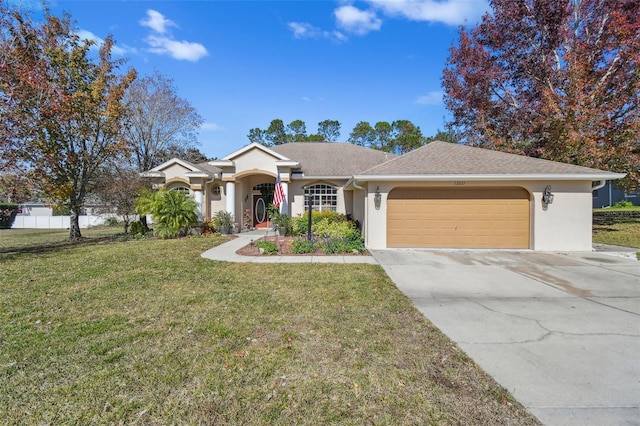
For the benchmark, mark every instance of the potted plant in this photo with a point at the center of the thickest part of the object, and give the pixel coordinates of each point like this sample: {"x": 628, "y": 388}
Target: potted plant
{"x": 281, "y": 223}
{"x": 223, "y": 220}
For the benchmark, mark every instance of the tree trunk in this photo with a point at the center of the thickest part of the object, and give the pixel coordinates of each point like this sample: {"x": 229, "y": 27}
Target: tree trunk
{"x": 74, "y": 226}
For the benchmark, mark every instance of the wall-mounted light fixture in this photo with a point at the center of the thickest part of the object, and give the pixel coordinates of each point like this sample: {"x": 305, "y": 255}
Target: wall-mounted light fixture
{"x": 547, "y": 197}
{"x": 377, "y": 198}
{"x": 246, "y": 198}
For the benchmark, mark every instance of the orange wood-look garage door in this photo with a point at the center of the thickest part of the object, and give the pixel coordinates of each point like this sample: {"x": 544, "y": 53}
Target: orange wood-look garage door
{"x": 458, "y": 218}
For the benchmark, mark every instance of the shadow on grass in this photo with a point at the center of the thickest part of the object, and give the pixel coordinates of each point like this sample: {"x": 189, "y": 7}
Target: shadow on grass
{"x": 8, "y": 253}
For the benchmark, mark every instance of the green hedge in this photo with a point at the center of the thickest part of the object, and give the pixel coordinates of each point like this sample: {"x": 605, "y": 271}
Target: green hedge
{"x": 8, "y": 212}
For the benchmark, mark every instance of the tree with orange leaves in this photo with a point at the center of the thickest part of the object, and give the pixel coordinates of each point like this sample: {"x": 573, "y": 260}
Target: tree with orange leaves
{"x": 61, "y": 107}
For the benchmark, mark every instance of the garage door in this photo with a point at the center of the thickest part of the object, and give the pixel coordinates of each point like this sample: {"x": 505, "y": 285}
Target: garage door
{"x": 458, "y": 218}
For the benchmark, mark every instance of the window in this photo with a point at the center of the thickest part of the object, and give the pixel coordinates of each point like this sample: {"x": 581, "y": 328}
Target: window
{"x": 181, "y": 188}
{"x": 324, "y": 198}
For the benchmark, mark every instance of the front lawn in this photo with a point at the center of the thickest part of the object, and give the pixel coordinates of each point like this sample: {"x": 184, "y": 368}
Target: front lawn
{"x": 617, "y": 231}
{"x": 147, "y": 332}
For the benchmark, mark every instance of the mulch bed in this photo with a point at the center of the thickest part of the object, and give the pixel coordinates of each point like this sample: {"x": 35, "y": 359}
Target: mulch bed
{"x": 284, "y": 248}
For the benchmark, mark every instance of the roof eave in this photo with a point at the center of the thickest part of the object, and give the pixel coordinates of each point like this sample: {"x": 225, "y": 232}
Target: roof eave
{"x": 152, "y": 174}
{"x": 496, "y": 177}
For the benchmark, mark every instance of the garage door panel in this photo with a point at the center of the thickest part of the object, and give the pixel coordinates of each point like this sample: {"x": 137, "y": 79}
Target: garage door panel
{"x": 477, "y": 218}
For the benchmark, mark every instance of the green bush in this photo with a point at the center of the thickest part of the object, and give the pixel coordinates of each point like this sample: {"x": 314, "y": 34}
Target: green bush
{"x": 136, "y": 228}
{"x": 267, "y": 247}
{"x": 303, "y": 245}
{"x": 623, "y": 204}
{"x": 300, "y": 224}
{"x": 112, "y": 221}
{"x": 172, "y": 211}
{"x": 8, "y": 212}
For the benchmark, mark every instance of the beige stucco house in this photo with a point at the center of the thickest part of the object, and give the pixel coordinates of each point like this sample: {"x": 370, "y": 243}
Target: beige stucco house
{"x": 442, "y": 195}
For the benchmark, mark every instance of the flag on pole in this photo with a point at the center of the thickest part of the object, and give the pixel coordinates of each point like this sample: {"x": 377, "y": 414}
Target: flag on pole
{"x": 278, "y": 194}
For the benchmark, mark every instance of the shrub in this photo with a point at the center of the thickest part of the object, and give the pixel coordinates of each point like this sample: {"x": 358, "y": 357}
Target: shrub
{"x": 136, "y": 228}
{"x": 623, "y": 204}
{"x": 172, "y": 211}
{"x": 268, "y": 247}
{"x": 207, "y": 227}
{"x": 112, "y": 221}
{"x": 303, "y": 245}
{"x": 8, "y": 212}
{"x": 300, "y": 224}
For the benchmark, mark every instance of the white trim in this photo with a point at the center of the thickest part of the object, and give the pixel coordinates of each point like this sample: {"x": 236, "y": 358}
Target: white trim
{"x": 174, "y": 161}
{"x": 250, "y": 147}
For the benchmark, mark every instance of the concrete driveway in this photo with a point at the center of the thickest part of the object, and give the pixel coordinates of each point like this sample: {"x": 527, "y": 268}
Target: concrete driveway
{"x": 560, "y": 331}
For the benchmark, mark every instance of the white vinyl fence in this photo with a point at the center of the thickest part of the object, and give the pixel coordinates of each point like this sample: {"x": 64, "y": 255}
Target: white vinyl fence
{"x": 56, "y": 222}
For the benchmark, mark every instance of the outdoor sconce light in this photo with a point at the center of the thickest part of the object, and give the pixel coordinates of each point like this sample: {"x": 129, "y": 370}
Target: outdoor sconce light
{"x": 547, "y": 197}
{"x": 377, "y": 198}
{"x": 246, "y": 198}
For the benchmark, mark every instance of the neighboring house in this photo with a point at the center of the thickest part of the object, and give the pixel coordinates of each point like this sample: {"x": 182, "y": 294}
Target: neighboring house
{"x": 442, "y": 195}
{"x": 609, "y": 194}
{"x": 35, "y": 207}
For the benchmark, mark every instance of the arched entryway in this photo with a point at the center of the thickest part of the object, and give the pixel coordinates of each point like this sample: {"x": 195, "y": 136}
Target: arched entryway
{"x": 262, "y": 198}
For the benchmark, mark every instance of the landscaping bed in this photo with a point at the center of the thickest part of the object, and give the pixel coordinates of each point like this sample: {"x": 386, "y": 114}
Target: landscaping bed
{"x": 284, "y": 244}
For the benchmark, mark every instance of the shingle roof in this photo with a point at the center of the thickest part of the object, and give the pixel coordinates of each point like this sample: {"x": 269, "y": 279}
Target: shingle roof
{"x": 208, "y": 168}
{"x": 332, "y": 158}
{"x": 443, "y": 158}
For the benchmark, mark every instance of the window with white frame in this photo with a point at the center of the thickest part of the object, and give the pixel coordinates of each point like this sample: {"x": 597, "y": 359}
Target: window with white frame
{"x": 325, "y": 198}
{"x": 181, "y": 188}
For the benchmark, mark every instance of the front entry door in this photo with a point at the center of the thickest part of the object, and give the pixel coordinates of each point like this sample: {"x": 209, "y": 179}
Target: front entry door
{"x": 260, "y": 217}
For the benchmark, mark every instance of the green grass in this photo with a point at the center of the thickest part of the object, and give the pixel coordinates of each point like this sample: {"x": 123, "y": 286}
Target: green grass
{"x": 617, "y": 209}
{"x": 618, "y": 231}
{"x": 148, "y": 332}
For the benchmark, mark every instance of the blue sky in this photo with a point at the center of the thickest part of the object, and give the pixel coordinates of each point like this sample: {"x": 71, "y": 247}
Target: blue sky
{"x": 243, "y": 63}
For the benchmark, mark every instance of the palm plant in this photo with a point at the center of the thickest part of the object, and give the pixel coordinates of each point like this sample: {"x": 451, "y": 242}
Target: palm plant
{"x": 172, "y": 211}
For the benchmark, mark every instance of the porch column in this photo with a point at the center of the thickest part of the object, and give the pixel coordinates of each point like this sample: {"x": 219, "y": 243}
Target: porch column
{"x": 284, "y": 207}
{"x": 231, "y": 198}
{"x": 197, "y": 195}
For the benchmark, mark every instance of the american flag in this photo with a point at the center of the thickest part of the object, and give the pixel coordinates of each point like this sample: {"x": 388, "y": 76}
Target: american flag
{"x": 278, "y": 194}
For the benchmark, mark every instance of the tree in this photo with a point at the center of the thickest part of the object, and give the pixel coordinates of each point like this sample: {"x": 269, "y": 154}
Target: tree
{"x": 257, "y": 135}
{"x": 191, "y": 154}
{"x": 62, "y": 109}
{"x": 297, "y": 131}
{"x": 329, "y": 130}
{"x": 407, "y": 136}
{"x": 276, "y": 133}
{"x": 556, "y": 79}
{"x": 442, "y": 136}
{"x": 384, "y": 137}
{"x": 362, "y": 135}
{"x": 118, "y": 187}
{"x": 158, "y": 121}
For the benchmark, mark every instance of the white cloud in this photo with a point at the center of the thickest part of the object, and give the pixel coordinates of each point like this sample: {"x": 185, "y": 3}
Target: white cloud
{"x": 303, "y": 29}
{"x": 354, "y": 20}
{"x": 181, "y": 50}
{"x": 157, "y": 22}
{"x": 306, "y": 30}
{"x": 163, "y": 43}
{"x": 450, "y": 12}
{"x": 213, "y": 127}
{"x": 432, "y": 98}
{"x": 116, "y": 50}
{"x": 306, "y": 98}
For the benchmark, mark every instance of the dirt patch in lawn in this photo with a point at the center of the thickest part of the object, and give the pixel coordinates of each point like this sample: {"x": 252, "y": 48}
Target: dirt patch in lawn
{"x": 284, "y": 248}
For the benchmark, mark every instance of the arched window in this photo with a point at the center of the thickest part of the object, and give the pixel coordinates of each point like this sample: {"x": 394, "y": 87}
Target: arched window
{"x": 180, "y": 188}
{"x": 325, "y": 198}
